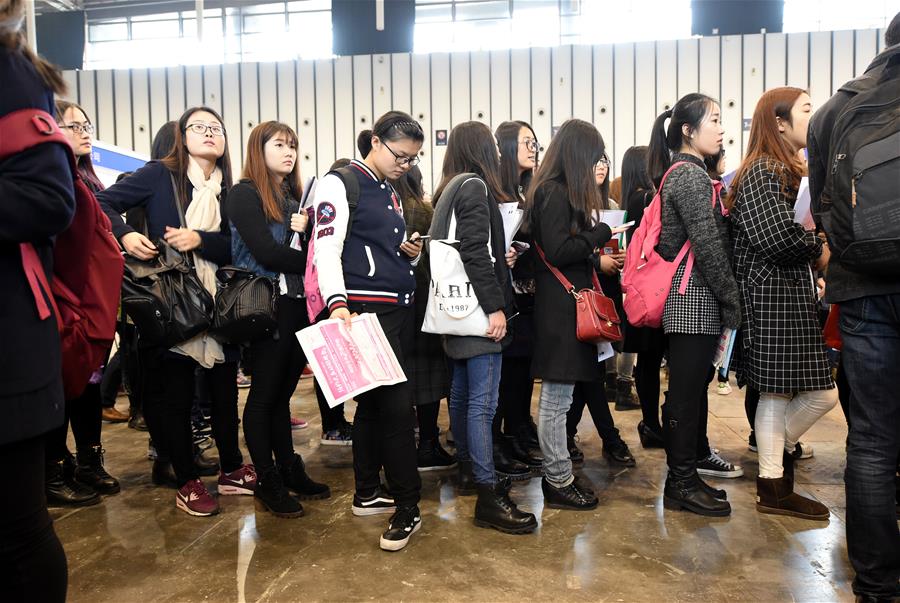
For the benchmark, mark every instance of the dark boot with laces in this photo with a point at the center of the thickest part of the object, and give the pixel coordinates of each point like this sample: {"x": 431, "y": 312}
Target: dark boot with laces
{"x": 495, "y": 509}
{"x": 62, "y": 489}
{"x": 271, "y": 495}
{"x": 576, "y": 496}
{"x": 90, "y": 471}
{"x": 296, "y": 479}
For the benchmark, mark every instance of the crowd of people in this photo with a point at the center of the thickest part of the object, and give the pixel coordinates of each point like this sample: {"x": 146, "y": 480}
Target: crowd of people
{"x": 742, "y": 262}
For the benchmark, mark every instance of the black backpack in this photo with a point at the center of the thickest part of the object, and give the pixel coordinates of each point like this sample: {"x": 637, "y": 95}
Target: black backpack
{"x": 861, "y": 198}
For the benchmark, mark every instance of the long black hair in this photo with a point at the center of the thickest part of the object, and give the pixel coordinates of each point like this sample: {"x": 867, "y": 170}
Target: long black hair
{"x": 603, "y": 189}
{"x": 570, "y": 161}
{"x": 512, "y": 178}
{"x": 690, "y": 110}
{"x": 634, "y": 173}
{"x": 471, "y": 148}
{"x": 164, "y": 140}
{"x": 393, "y": 125}
{"x": 409, "y": 186}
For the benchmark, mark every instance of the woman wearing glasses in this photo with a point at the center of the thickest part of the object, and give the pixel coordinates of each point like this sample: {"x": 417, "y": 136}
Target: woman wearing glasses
{"x": 196, "y": 175}
{"x": 366, "y": 264}
{"x": 78, "y": 480}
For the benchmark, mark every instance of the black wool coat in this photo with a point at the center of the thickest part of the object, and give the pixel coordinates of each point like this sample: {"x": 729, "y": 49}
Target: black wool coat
{"x": 558, "y": 355}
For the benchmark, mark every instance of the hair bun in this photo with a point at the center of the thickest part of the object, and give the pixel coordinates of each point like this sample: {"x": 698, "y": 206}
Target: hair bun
{"x": 668, "y": 113}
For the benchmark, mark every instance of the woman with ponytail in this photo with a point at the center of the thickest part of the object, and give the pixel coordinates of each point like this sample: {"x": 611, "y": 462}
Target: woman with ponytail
{"x": 693, "y": 321}
{"x": 772, "y": 259}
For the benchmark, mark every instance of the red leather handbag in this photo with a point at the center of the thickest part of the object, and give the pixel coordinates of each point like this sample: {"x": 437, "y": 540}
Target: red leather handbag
{"x": 596, "y": 318}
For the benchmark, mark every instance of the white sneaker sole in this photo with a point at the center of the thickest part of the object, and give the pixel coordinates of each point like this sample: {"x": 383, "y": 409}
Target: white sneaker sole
{"x": 724, "y": 474}
{"x": 396, "y": 545}
{"x": 234, "y": 491}
{"x": 436, "y": 468}
{"x": 183, "y": 506}
{"x": 336, "y": 442}
{"x": 369, "y": 511}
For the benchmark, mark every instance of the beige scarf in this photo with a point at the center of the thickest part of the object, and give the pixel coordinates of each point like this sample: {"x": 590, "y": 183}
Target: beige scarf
{"x": 203, "y": 214}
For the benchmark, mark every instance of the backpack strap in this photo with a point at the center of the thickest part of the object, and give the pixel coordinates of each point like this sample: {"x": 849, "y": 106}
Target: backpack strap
{"x": 351, "y": 185}
{"x": 27, "y": 128}
{"x": 716, "y": 196}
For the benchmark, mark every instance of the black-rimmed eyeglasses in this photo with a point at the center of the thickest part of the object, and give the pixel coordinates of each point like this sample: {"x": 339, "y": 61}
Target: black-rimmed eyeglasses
{"x": 402, "y": 159}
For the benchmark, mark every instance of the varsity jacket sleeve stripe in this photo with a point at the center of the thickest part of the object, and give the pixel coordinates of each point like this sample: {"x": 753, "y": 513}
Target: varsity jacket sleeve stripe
{"x": 332, "y": 215}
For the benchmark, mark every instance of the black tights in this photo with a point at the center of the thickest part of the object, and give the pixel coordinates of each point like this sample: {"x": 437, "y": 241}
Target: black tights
{"x": 84, "y": 414}
{"x": 427, "y": 417}
{"x": 646, "y": 381}
{"x": 593, "y": 395}
{"x": 516, "y": 389}
{"x": 32, "y": 560}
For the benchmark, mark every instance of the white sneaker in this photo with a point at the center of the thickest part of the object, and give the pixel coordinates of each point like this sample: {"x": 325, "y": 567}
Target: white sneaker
{"x": 801, "y": 451}
{"x": 715, "y": 466}
{"x": 724, "y": 388}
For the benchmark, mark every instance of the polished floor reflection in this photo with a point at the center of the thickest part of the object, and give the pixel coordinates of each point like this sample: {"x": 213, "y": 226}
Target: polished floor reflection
{"x": 137, "y": 547}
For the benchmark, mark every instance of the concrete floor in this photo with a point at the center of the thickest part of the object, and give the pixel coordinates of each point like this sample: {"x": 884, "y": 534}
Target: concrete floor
{"x": 137, "y": 547}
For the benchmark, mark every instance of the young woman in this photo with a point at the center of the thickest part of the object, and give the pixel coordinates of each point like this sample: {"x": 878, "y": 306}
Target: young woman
{"x": 594, "y": 393}
{"x": 371, "y": 270}
{"x": 38, "y": 204}
{"x": 560, "y": 212}
{"x": 471, "y": 149}
{"x": 428, "y": 370}
{"x": 79, "y": 480}
{"x": 195, "y": 174}
{"x": 692, "y": 321}
{"x": 516, "y": 446}
{"x": 265, "y": 214}
{"x": 772, "y": 258}
{"x": 649, "y": 344}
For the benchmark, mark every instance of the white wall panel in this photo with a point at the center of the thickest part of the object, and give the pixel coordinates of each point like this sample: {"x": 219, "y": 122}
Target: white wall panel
{"x": 345, "y": 127}
{"x": 582, "y": 83}
{"x": 501, "y": 88}
{"x": 480, "y": 67}
{"x": 460, "y": 94}
{"x": 621, "y": 89}
{"x": 71, "y": 79}
{"x": 381, "y": 85}
{"x": 541, "y": 93}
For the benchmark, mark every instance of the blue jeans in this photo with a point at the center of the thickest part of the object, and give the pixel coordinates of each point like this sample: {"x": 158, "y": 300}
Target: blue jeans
{"x": 473, "y": 403}
{"x": 556, "y": 399}
{"x": 871, "y": 332}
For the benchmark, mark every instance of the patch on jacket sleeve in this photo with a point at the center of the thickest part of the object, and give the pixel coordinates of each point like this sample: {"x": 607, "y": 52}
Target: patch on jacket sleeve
{"x": 325, "y": 214}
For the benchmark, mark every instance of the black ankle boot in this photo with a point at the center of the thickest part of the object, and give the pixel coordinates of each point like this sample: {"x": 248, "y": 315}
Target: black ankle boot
{"x": 576, "y": 455}
{"x": 576, "y": 496}
{"x": 626, "y": 399}
{"x": 689, "y": 495}
{"x": 506, "y": 466}
{"x": 163, "y": 474}
{"x": 714, "y": 492}
{"x": 523, "y": 454}
{"x": 138, "y": 422}
{"x": 296, "y": 479}
{"x": 649, "y": 437}
{"x": 205, "y": 467}
{"x": 431, "y": 456}
{"x": 465, "y": 485}
{"x": 64, "y": 490}
{"x": 494, "y": 509}
{"x": 616, "y": 451}
{"x": 271, "y": 495}
{"x": 526, "y": 433}
{"x": 90, "y": 471}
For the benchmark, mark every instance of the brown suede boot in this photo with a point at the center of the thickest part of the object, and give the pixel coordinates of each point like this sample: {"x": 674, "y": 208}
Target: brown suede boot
{"x": 776, "y": 496}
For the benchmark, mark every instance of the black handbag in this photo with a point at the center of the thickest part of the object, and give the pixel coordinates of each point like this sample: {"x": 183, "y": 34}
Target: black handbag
{"x": 245, "y": 306}
{"x": 164, "y": 298}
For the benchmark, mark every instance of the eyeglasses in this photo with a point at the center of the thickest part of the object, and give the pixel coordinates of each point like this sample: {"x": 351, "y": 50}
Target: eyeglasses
{"x": 401, "y": 159}
{"x": 604, "y": 161}
{"x": 79, "y": 128}
{"x": 530, "y": 143}
{"x": 202, "y": 128}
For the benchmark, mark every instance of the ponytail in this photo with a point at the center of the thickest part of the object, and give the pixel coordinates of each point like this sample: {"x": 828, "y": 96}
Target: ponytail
{"x": 690, "y": 110}
{"x": 364, "y": 142}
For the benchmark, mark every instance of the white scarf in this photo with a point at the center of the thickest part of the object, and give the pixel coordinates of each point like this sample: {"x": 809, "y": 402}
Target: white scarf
{"x": 203, "y": 214}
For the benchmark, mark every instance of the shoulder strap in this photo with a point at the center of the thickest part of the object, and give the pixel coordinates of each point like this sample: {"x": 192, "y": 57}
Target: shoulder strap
{"x": 566, "y": 283}
{"x": 26, "y": 128}
{"x": 351, "y": 185}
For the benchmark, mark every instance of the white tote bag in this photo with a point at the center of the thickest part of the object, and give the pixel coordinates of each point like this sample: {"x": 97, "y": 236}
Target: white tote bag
{"x": 452, "y": 307}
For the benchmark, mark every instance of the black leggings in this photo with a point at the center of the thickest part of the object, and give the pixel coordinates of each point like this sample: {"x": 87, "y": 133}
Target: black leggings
{"x": 593, "y": 395}
{"x": 427, "y": 416}
{"x": 646, "y": 381}
{"x": 686, "y": 408}
{"x": 276, "y": 363}
{"x": 167, "y": 410}
{"x": 32, "y": 560}
{"x": 84, "y": 414}
{"x": 332, "y": 418}
{"x": 516, "y": 389}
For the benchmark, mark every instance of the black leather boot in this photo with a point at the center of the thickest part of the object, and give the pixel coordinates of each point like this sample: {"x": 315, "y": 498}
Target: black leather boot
{"x": 714, "y": 492}
{"x": 616, "y": 451}
{"x": 205, "y": 467}
{"x": 90, "y": 471}
{"x": 684, "y": 488}
{"x": 506, "y": 466}
{"x": 494, "y": 509}
{"x": 522, "y": 454}
{"x": 649, "y": 437}
{"x": 576, "y": 496}
{"x": 271, "y": 495}
{"x": 62, "y": 489}
{"x": 163, "y": 474}
{"x": 526, "y": 433}
{"x": 296, "y": 479}
{"x": 465, "y": 485}
{"x": 431, "y": 456}
{"x": 626, "y": 398}
{"x": 576, "y": 455}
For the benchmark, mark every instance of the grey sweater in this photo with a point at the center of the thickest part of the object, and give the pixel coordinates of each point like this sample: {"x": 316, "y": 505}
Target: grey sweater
{"x": 687, "y": 213}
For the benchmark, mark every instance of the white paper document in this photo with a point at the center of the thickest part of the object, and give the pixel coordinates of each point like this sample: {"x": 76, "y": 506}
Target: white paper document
{"x": 604, "y": 351}
{"x": 802, "y": 210}
{"x": 512, "y": 220}
{"x": 346, "y": 362}
{"x": 724, "y": 351}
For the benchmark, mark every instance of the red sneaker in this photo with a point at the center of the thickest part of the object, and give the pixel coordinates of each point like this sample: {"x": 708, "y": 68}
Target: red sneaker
{"x": 298, "y": 423}
{"x": 307, "y": 372}
{"x": 194, "y": 499}
{"x": 239, "y": 481}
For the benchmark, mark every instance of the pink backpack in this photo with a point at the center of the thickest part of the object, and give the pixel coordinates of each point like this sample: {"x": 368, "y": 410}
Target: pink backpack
{"x": 647, "y": 277}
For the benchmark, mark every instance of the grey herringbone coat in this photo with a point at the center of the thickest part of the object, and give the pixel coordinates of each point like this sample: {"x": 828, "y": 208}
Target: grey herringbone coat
{"x": 782, "y": 350}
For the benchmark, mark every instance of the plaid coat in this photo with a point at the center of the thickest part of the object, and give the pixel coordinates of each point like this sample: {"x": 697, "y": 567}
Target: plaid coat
{"x": 781, "y": 345}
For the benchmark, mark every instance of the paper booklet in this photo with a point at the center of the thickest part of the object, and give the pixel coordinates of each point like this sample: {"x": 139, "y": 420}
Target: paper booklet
{"x": 512, "y": 220}
{"x": 613, "y": 218}
{"x": 802, "y": 210}
{"x": 724, "y": 351}
{"x": 306, "y": 201}
{"x": 346, "y": 362}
